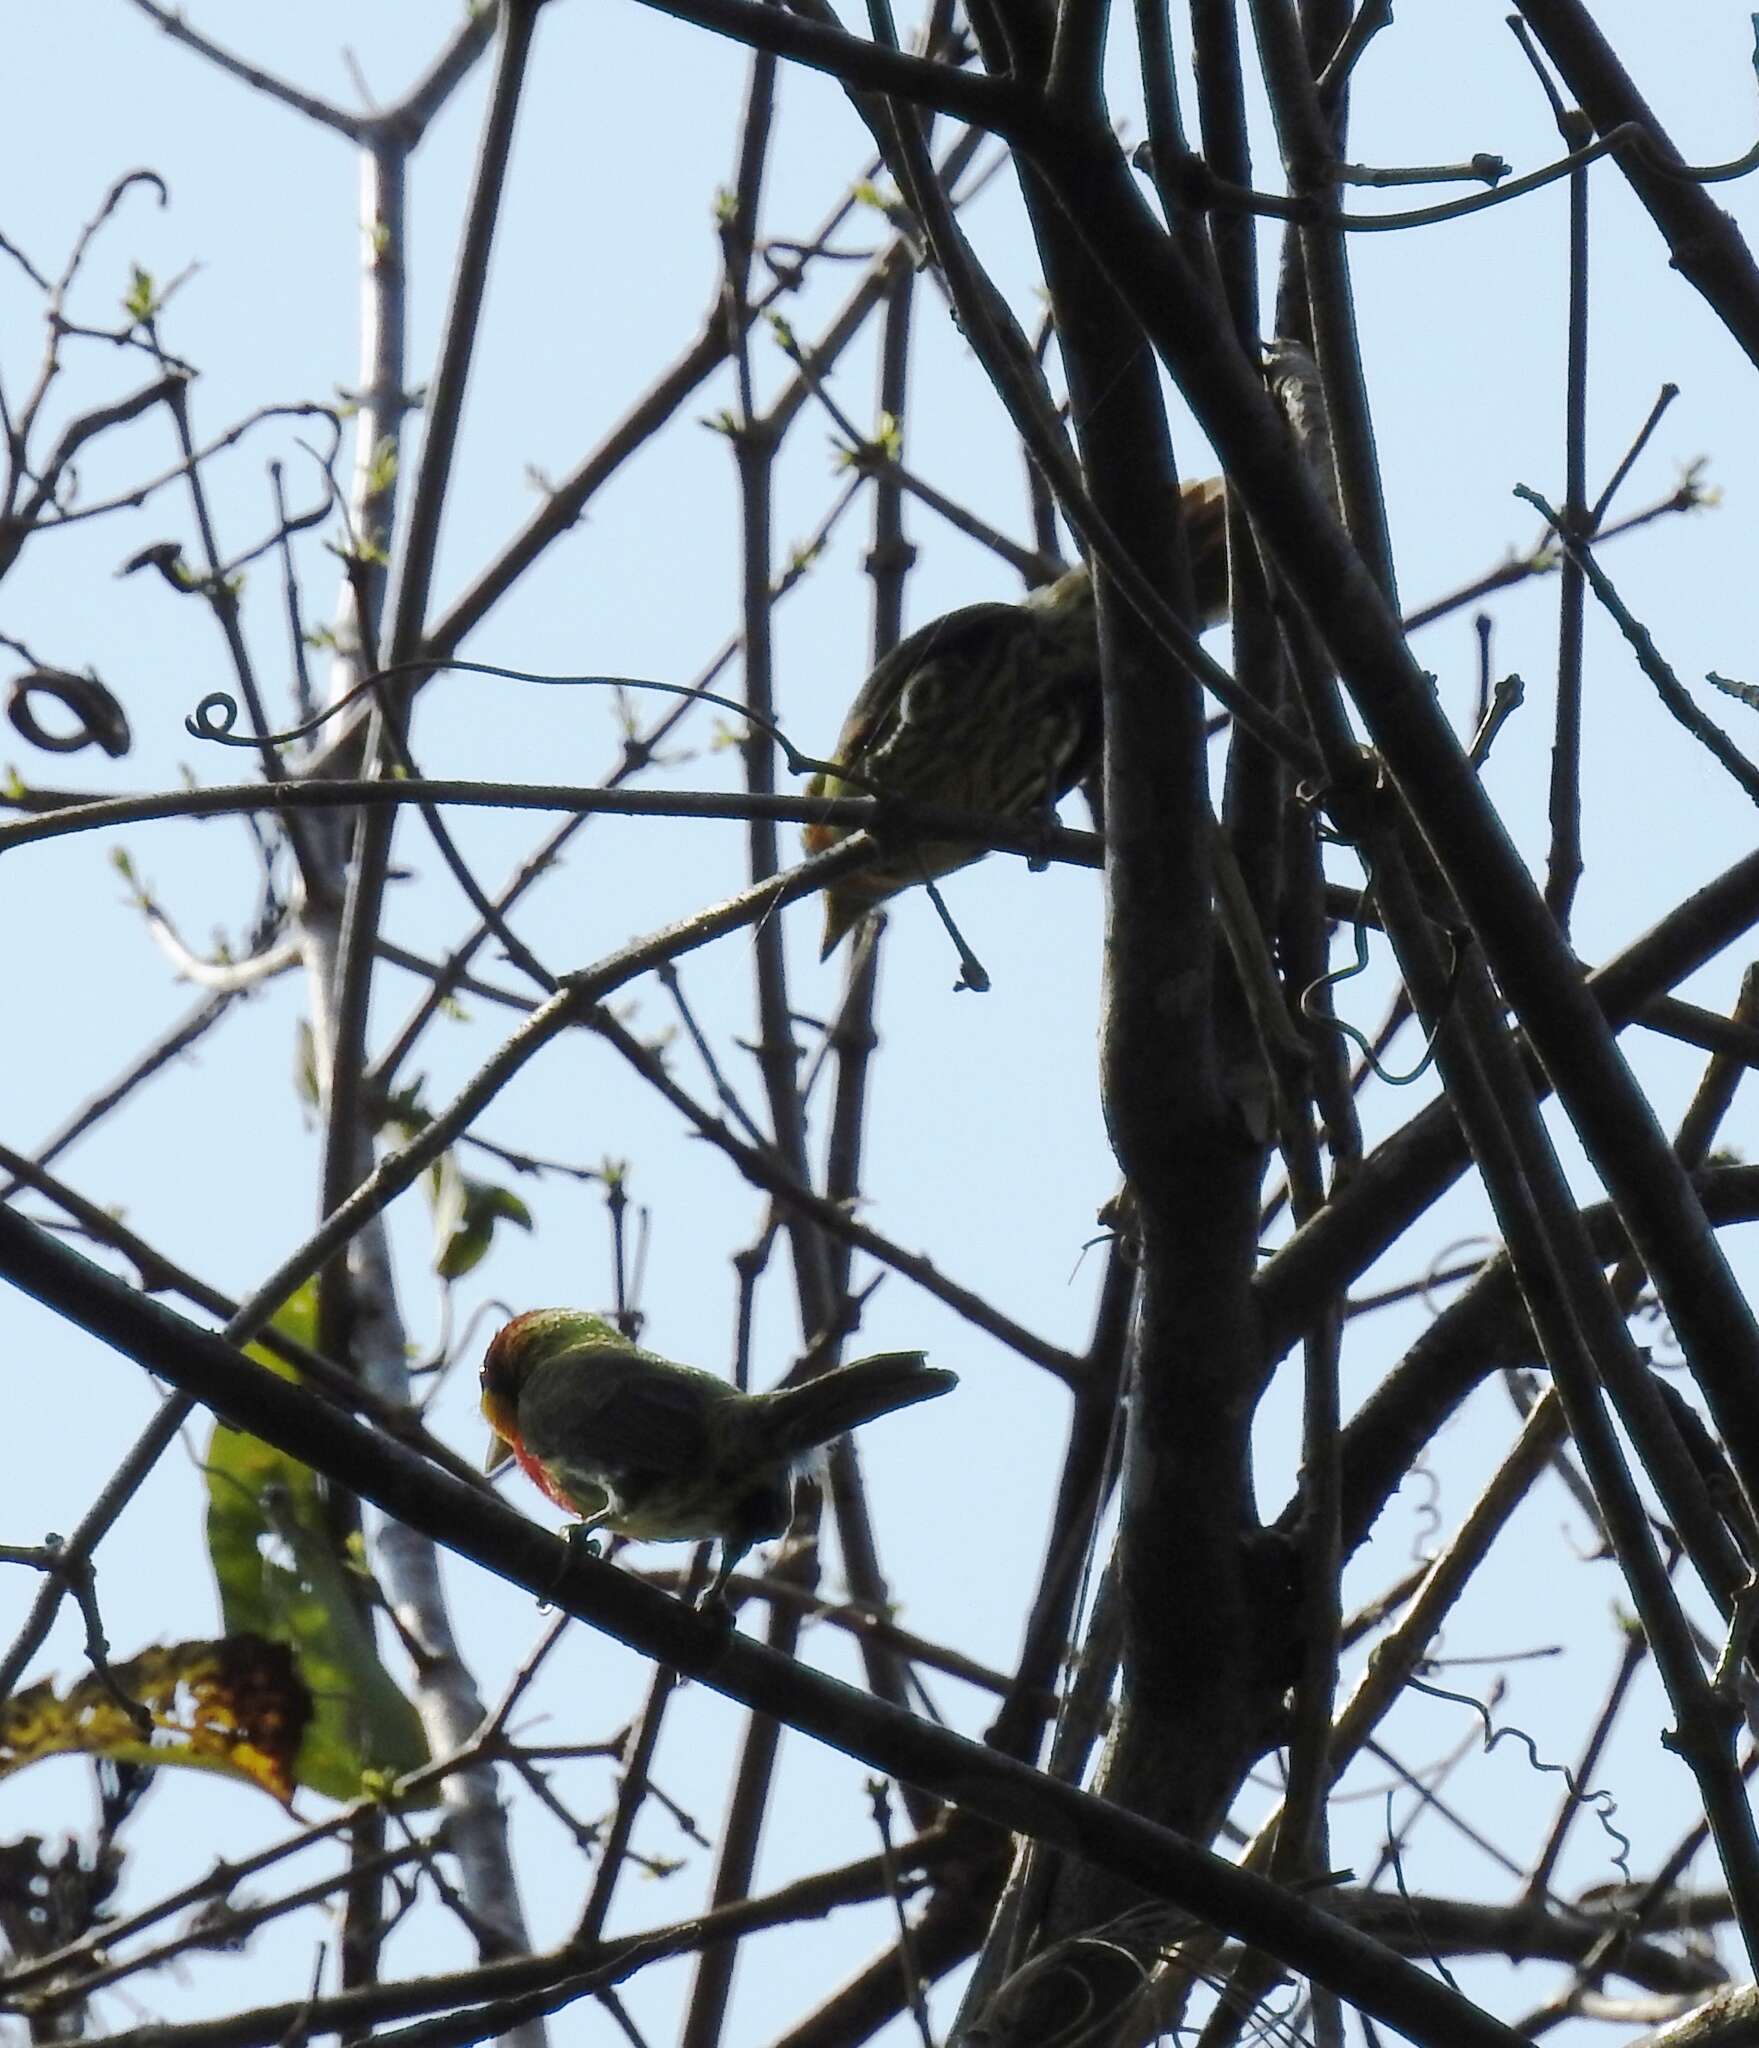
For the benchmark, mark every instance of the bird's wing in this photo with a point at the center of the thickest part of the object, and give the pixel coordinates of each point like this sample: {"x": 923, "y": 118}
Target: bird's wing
{"x": 918, "y": 671}
{"x": 599, "y": 1411}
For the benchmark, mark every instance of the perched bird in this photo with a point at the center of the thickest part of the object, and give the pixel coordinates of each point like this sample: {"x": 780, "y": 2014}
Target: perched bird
{"x": 633, "y": 1443}
{"x": 994, "y": 707}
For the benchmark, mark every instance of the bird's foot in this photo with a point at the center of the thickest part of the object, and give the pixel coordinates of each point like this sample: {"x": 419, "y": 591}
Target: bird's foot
{"x": 1044, "y": 821}
{"x": 714, "y": 1606}
{"x": 581, "y": 1541}
{"x": 712, "y": 1602}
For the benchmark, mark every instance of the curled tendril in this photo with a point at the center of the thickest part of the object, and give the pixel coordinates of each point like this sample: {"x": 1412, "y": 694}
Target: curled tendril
{"x": 1312, "y": 794}
{"x": 1437, "y": 1271}
{"x": 102, "y": 722}
{"x": 1428, "y": 1515}
{"x": 213, "y": 719}
{"x": 1348, "y": 1030}
{"x": 1601, "y": 1803}
{"x": 216, "y": 716}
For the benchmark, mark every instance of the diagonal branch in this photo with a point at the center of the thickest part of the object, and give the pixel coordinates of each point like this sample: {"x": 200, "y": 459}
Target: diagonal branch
{"x": 207, "y": 1369}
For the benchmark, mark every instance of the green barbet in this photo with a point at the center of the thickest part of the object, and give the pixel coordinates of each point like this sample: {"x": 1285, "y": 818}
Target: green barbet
{"x": 995, "y": 707}
{"x": 633, "y": 1443}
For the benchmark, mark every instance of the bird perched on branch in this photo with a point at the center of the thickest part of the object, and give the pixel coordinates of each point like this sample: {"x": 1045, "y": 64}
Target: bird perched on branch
{"x": 635, "y": 1444}
{"x": 994, "y": 707}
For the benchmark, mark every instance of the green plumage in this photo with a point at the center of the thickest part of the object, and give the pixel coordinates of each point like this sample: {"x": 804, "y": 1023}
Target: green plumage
{"x": 632, "y": 1442}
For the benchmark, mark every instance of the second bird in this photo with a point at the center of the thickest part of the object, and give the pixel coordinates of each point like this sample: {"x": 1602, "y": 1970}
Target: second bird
{"x": 994, "y": 707}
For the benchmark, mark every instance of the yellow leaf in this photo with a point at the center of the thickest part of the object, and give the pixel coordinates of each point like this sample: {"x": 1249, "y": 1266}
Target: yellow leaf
{"x": 236, "y": 1705}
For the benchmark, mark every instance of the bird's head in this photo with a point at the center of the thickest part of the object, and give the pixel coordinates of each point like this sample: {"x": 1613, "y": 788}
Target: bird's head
{"x": 514, "y": 1355}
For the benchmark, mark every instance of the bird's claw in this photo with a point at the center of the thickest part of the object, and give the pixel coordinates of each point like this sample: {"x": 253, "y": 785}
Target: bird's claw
{"x": 581, "y": 1542}
{"x": 1044, "y": 822}
{"x": 717, "y": 1610}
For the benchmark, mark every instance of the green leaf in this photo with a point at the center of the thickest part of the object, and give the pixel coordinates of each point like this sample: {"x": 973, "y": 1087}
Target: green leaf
{"x": 465, "y": 1214}
{"x": 280, "y": 1576}
{"x": 404, "y": 1111}
{"x": 141, "y": 300}
{"x": 382, "y": 470}
{"x": 306, "y": 1082}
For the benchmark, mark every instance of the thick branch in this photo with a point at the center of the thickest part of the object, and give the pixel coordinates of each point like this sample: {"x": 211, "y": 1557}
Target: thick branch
{"x": 502, "y": 1542}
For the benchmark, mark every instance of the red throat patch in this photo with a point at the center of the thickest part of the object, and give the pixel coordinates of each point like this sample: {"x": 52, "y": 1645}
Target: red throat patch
{"x": 527, "y": 1463}
{"x": 540, "y": 1478}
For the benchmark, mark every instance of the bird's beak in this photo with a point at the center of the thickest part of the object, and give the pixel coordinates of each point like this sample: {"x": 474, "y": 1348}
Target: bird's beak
{"x": 499, "y": 1452}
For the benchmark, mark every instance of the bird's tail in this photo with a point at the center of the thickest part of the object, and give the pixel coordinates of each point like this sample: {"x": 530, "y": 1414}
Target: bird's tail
{"x": 811, "y": 1414}
{"x": 1206, "y": 540}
